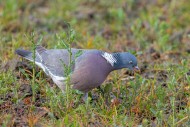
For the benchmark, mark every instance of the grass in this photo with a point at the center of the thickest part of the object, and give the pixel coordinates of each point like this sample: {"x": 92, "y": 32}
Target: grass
{"x": 157, "y": 32}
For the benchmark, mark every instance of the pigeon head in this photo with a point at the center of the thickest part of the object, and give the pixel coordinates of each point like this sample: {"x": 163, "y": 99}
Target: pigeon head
{"x": 123, "y": 60}
{"x": 127, "y": 60}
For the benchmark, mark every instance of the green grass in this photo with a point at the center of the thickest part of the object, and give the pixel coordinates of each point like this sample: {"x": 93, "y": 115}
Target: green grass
{"x": 157, "y": 32}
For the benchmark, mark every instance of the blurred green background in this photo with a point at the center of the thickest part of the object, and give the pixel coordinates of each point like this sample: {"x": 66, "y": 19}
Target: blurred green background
{"x": 156, "y": 31}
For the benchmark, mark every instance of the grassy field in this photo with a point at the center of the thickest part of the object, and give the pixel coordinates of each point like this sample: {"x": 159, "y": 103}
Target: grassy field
{"x": 156, "y": 31}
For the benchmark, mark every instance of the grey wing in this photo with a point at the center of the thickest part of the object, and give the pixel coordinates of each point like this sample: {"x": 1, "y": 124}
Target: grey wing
{"x": 54, "y": 60}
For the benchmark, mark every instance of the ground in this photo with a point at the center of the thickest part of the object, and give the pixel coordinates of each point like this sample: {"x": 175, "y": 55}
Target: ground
{"x": 156, "y": 31}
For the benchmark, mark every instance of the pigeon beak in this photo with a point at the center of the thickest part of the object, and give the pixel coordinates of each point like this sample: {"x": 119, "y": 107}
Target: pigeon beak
{"x": 136, "y": 69}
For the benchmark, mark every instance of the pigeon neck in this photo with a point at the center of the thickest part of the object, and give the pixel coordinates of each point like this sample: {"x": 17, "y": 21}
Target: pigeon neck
{"x": 118, "y": 64}
{"x": 114, "y": 59}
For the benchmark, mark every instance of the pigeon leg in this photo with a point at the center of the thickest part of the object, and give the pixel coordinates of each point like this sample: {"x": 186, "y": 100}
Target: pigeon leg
{"x": 85, "y": 97}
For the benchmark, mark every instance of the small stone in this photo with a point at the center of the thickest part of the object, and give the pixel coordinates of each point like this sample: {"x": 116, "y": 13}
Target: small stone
{"x": 155, "y": 55}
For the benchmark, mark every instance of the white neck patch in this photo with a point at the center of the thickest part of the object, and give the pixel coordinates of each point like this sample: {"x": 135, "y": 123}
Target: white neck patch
{"x": 110, "y": 58}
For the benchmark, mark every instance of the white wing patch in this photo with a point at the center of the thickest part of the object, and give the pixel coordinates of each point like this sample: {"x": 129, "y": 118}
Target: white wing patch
{"x": 110, "y": 58}
{"x": 41, "y": 66}
{"x": 59, "y": 78}
{"x": 55, "y": 77}
{"x": 44, "y": 68}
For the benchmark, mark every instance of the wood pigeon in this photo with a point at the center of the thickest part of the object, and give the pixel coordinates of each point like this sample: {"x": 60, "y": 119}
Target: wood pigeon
{"x": 89, "y": 70}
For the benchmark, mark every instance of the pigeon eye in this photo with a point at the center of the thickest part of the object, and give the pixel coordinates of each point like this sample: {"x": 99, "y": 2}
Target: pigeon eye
{"x": 130, "y": 62}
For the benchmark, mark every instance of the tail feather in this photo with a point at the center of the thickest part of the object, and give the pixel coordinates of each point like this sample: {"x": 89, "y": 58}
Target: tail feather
{"x": 27, "y": 55}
